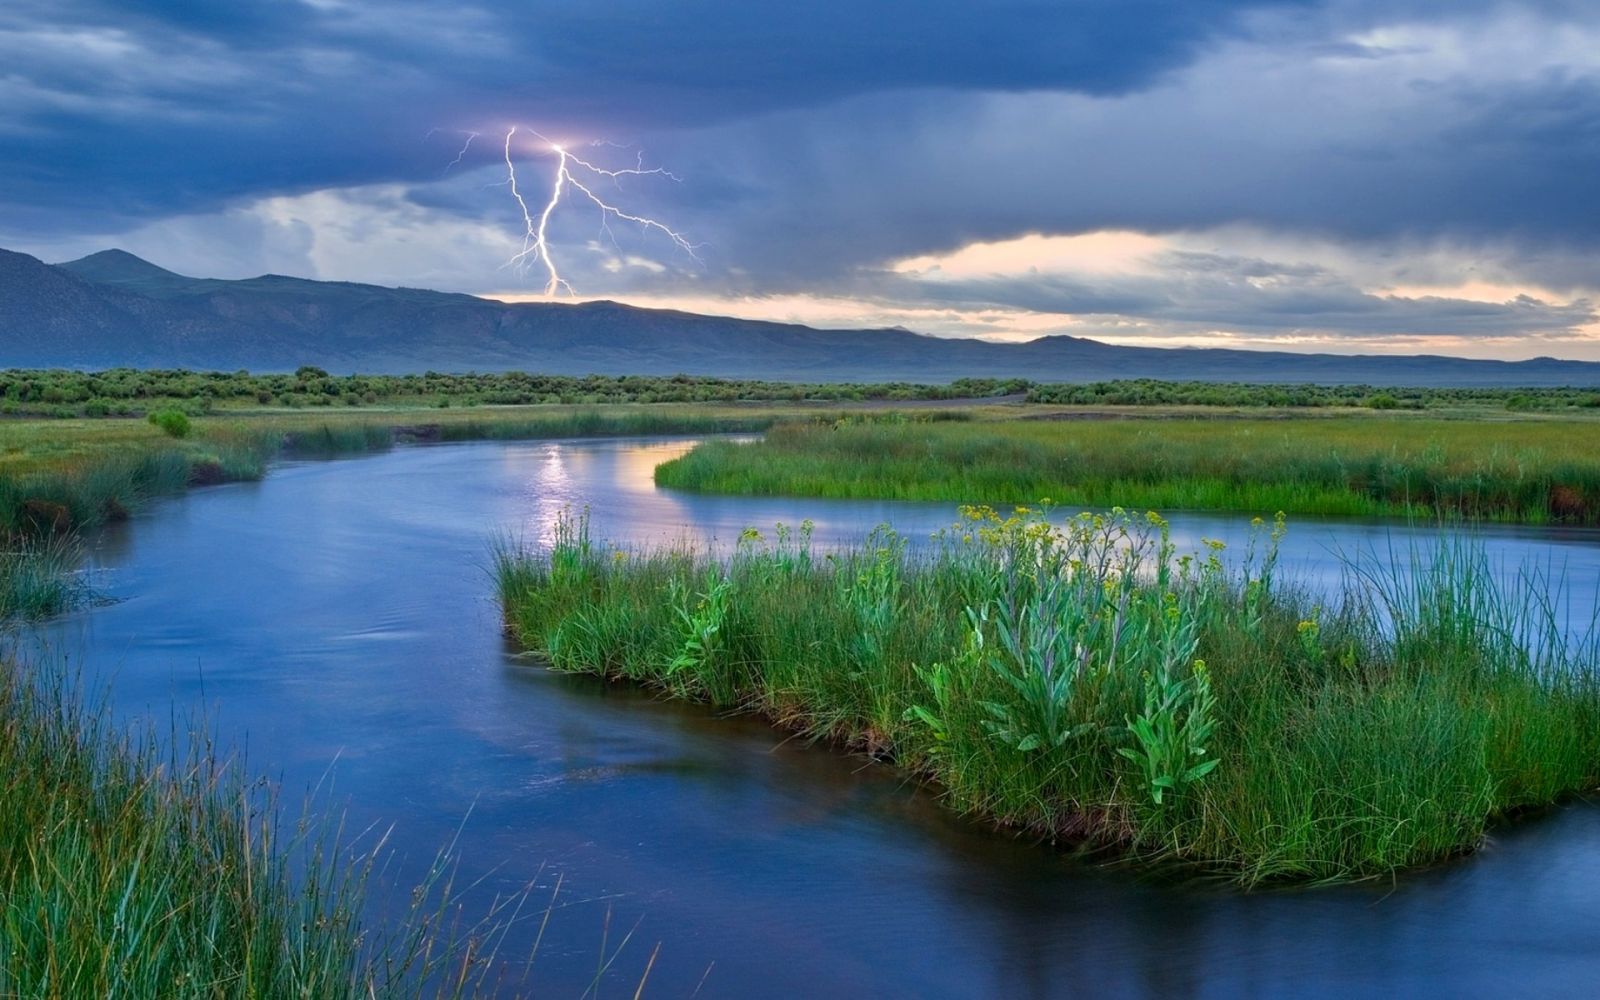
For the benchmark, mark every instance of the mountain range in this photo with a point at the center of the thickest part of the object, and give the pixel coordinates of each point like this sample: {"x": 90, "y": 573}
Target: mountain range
{"x": 114, "y": 309}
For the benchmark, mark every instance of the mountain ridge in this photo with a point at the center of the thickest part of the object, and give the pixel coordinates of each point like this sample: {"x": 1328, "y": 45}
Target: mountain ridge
{"x": 113, "y": 308}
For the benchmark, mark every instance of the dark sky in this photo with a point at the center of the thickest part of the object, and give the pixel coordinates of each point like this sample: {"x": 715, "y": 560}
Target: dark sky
{"x": 1345, "y": 175}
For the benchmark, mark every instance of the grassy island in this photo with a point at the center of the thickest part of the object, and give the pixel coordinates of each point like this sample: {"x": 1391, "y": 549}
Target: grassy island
{"x": 1086, "y": 682}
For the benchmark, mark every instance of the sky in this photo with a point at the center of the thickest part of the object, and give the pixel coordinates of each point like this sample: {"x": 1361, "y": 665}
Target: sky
{"x": 1353, "y": 176}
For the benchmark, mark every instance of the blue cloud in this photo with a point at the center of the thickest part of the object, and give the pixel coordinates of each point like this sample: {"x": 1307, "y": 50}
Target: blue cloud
{"x": 187, "y": 105}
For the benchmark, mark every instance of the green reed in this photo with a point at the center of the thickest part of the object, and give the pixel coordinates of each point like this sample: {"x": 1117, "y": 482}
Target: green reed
{"x": 1527, "y": 471}
{"x": 1086, "y": 682}
{"x": 132, "y": 868}
{"x": 38, "y": 578}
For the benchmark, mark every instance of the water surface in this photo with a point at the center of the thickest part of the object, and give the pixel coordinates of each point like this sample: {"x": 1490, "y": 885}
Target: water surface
{"x": 342, "y": 612}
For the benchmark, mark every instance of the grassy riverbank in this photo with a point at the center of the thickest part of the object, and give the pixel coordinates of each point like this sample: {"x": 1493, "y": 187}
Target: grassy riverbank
{"x": 59, "y": 478}
{"x": 129, "y": 871}
{"x": 1093, "y": 685}
{"x": 1532, "y": 471}
{"x": 65, "y": 475}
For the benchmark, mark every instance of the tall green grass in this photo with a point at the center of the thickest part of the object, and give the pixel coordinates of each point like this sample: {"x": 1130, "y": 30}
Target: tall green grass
{"x": 1532, "y": 472}
{"x": 38, "y": 578}
{"x": 127, "y": 870}
{"x": 606, "y": 421}
{"x": 1087, "y": 682}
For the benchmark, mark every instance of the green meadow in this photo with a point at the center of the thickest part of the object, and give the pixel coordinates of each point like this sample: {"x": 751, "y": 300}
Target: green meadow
{"x": 1535, "y": 471}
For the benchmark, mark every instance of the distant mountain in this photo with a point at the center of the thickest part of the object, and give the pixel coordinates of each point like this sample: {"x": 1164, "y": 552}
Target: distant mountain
{"x": 113, "y": 309}
{"x": 124, "y": 270}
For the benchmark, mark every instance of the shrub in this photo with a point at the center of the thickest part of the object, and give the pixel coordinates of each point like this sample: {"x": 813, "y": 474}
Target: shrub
{"x": 174, "y": 422}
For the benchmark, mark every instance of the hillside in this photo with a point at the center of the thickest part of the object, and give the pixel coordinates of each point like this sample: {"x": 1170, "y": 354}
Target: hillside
{"x": 112, "y": 308}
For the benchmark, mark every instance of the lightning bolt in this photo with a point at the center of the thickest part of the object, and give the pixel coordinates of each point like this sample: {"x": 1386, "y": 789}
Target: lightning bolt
{"x": 464, "y": 147}
{"x": 535, "y": 244}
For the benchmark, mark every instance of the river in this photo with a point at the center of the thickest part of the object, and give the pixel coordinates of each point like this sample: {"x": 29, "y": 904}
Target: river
{"x": 338, "y": 618}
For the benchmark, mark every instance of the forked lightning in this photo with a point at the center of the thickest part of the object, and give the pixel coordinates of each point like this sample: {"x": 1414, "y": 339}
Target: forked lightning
{"x": 535, "y": 241}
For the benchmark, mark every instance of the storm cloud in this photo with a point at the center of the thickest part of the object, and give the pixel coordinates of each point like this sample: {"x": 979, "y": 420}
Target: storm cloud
{"x": 1342, "y": 170}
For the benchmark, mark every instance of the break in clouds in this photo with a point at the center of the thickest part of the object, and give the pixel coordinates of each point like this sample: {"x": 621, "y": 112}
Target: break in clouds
{"x": 1325, "y": 175}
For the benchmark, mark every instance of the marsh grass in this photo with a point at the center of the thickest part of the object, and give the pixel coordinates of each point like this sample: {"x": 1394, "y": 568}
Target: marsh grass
{"x": 39, "y": 578}
{"x": 1088, "y": 683}
{"x": 1525, "y": 471}
{"x": 132, "y": 868}
{"x": 602, "y": 422}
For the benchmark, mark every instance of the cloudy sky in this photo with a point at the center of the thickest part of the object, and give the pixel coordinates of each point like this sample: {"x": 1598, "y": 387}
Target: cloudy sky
{"x": 1348, "y": 175}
